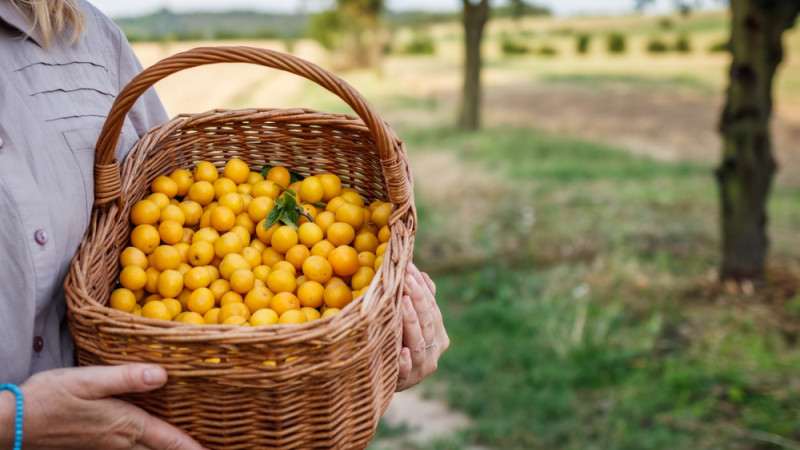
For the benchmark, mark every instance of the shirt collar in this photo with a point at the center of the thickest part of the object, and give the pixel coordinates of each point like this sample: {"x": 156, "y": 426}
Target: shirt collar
{"x": 21, "y": 21}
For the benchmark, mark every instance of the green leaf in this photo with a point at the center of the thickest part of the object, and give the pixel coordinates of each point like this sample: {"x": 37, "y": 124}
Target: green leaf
{"x": 291, "y": 218}
{"x": 289, "y": 201}
{"x": 285, "y": 211}
{"x": 264, "y": 170}
{"x": 273, "y": 217}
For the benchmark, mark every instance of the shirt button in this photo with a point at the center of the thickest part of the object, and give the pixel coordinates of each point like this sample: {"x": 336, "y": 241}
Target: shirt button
{"x": 38, "y": 344}
{"x": 40, "y": 236}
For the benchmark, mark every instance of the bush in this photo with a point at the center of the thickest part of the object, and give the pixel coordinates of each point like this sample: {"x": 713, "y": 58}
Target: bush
{"x": 683, "y": 44}
{"x": 582, "y": 44}
{"x": 548, "y": 50}
{"x": 133, "y": 36}
{"x": 616, "y": 43}
{"x": 223, "y": 34}
{"x": 420, "y": 44}
{"x": 656, "y": 45}
{"x": 719, "y": 47}
{"x": 511, "y": 47}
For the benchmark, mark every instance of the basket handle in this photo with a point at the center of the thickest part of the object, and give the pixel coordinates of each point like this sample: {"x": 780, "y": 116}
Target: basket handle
{"x": 108, "y": 185}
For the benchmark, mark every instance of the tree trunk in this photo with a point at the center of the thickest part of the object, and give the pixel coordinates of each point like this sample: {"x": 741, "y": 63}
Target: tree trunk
{"x": 474, "y": 18}
{"x": 354, "y": 44}
{"x": 746, "y": 171}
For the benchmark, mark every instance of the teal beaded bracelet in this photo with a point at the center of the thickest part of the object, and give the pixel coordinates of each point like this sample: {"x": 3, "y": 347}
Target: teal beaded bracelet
{"x": 18, "y": 421}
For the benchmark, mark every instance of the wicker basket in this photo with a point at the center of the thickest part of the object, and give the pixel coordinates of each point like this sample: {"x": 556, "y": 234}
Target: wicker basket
{"x": 323, "y": 384}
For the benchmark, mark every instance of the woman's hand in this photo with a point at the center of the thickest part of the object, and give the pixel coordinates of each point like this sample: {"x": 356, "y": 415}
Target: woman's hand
{"x": 424, "y": 336}
{"x": 73, "y": 408}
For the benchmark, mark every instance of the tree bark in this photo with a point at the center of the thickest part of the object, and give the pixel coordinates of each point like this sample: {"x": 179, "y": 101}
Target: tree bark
{"x": 474, "y": 18}
{"x": 746, "y": 171}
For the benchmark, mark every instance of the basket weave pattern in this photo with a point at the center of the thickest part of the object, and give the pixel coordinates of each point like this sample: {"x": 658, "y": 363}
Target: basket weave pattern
{"x": 323, "y": 384}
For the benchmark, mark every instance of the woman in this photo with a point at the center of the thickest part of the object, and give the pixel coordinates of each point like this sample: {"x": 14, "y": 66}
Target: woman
{"x": 63, "y": 64}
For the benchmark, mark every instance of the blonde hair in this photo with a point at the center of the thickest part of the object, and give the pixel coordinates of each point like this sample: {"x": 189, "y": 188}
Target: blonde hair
{"x": 52, "y": 17}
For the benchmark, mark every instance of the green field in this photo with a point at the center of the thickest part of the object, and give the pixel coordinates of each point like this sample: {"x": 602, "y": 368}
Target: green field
{"x": 595, "y": 325}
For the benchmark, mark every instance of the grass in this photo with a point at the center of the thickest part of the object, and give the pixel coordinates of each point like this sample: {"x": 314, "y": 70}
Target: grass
{"x": 591, "y": 328}
{"x": 582, "y": 197}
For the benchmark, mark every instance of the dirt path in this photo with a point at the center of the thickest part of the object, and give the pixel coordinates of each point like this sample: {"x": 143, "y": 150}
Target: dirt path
{"x": 425, "y": 420}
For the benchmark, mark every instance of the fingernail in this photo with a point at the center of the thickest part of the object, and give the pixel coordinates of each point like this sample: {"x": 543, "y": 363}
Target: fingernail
{"x": 405, "y": 356}
{"x": 154, "y": 376}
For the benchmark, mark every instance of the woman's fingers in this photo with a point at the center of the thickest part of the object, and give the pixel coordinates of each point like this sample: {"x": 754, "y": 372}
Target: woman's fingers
{"x": 424, "y": 336}
{"x": 75, "y": 408}
{"x": 413, "y": 347}
{"x": 422, "y": 304}
{"x": 406, "y": 366}
{"x": 96, "y": 382}
{"x": 413, "y": 337}
{"x": 442, "y": 340}
{"x": 422, "y": 278}
{"x": 105, "y": 381}
{"x": 163, "y": 436}
{"x": 429, "y": 290}
{"x": 412, "y": 355}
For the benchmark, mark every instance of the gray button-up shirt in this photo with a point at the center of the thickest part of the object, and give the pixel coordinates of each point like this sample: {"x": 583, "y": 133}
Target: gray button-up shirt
{"x": 53, "y": 103}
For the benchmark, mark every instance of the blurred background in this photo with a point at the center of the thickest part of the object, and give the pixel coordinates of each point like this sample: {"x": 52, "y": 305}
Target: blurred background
{"x": 616, "y": 259}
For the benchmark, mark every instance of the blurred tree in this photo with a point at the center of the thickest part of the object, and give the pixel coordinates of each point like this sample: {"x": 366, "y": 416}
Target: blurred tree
{"x": 518, "y": 9}
{"x": 747, "y": 167}
{"x": 325, "y": 27}
{"x": 363, "y": 19}
{"x": 352, "y": 28}
{"x": 474, "y": 18}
